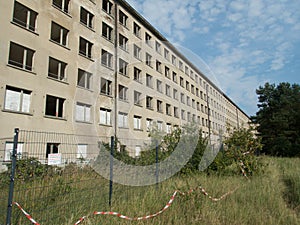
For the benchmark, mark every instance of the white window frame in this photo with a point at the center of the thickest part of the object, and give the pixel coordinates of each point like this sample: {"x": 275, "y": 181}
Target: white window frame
{"x": 105, "y": 116}
{"x": 83, "y": 112}
{"x": 17, "y": 99}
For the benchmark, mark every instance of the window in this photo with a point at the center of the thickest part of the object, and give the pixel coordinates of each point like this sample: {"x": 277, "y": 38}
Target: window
{"x": 137, "y": 125}
{"x": 123, "y": 120}
{"x": 167, "y": 54}
{"x": 197, "y": 92}
{"x": 123, "y": 92}
{"x": 106, "y": 58}
{"x": 123, "y": 67}
{"x": 123, "y": 18}
{"x": 168, "y": 109}
{"x": 168, "y": 90}
{"x": 84, "y": 79}
{"x": 137, "y": 75}
{"x": 159, "y": 106}
{"x": 107, "y": 6}
{"x": 20, "y": 56}
{"x": 198, "y": 106}
{"x": 193, "y": 103}
{"x": 148, "y": 39}
{"x": 188, "y": 101}
{"x": 182, "y": 99}
{"x": 175, "y": 94}
{"x": 62, "y": 5}
{"x": 105, "y": 116}
{"x": 9, "y": 150}
{"x": 189, "y": 117}
{"x": 168, "y": 128}
{"x": 182, "y": 114}
{"x": 86, "y": 17}
{"x": 24, "y": 16}
{"x": 159, "y": 125}
{"x": 180, "y": 65}
{"x": 137, "y": 98}
{"x": 158, "y": 66}
{"x": 158, "y": 47}
{"x": 82, "y": 151}
{"x": 148, "y": 59}
{"x": 167, "y": 72}
{"x": 186, "y": 70}
{"x": 123, "y": 42}
{"x": 176, "y": 112}
{"x": 106, "y": 87}
{"x": 192, "y": 75}
{"x": 85, "y": 47}
{"x": 137, "y": 52}
{"x": 17, "y": 99}
{"x": 136, "y": 30}
{"x": 149, "y": 81}
{"x": 181, "y": 82}
{"x": 174, "y": 60}
{"x": 83, "y": 112}
{"x": 187, "y": 85}
{"x": 194, "y": 118}
{"x": 149, "y": 104}
{"x": 174, "y": 77}
{"x": 193, "y": 89}
{"x": 59, "y": 34}
{"x": 107, "y": 31}
{"x": 52, "y": 148}
{"x": 54, "y": 106}
{"x": 196, "y": 79}
{"x": 57, "y": 69}
{"x": 159, "y": 86}
{"x": 149, "y": 124}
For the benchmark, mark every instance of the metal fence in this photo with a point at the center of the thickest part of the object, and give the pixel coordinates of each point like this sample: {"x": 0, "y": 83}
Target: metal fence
{"x": 51, "y": 175}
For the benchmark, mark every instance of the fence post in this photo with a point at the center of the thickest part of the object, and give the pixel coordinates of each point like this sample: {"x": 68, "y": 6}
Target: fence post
{"x": 111, "y": 169}
{"x": 12, "y": 177}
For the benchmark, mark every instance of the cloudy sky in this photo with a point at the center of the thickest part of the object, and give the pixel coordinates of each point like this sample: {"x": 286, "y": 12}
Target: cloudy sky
{"x": 242, "y": 44}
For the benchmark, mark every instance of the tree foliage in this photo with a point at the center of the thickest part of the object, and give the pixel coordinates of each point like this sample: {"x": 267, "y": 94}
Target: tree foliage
{"x": 278, "y": 119}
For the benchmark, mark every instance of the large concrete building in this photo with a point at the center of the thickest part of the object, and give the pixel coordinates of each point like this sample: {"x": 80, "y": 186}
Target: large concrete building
{"x": 97, "y": 67}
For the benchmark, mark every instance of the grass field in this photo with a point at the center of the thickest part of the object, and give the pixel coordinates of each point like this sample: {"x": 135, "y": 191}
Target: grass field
{"x": 271, "y": 198}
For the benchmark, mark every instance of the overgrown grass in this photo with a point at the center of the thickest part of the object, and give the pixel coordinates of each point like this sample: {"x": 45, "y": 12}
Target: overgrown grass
{"x": 271, "y": 198}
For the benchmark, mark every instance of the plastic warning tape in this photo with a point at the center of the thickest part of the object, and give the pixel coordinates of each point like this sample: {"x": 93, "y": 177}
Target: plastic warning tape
{"x": 26, "y": 214}
{"x": 163, "y": 209}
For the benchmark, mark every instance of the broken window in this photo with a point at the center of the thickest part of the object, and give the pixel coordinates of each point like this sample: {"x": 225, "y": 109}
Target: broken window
{"x": 123, "y": 18}
{"x": 106, "y": 87}
{"x": 57, "y": 69}
{"x": 52, "y": 148}
{"x": 123, "y": 42}
{"x": 84, "y": 79}
{"x": 123, "y": 93}
{"x": 107, "y": 31}
{"x": 54, "y": 106}
{"x": 106, "y": 58}
{"x": 85, "y": 47}
{"x": 24, "y": 16}
{"x": 20, "y": 56}
{"x": 59, "y": 34}
{"x": 86, "y": 17}
{"x": 62, "y": 5}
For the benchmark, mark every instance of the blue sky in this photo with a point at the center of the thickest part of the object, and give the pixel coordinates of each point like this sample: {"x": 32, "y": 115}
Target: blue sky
{"x": 242, "y": 44}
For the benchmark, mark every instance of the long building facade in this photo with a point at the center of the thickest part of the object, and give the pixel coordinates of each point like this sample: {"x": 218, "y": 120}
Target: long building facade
{"x": 97, "y": 67}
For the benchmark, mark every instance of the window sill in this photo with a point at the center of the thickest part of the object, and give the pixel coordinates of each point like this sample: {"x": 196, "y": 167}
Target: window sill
{"x": 17, "y": 112}
{"x": 24, "y": 28}
{"x": 84, "y": 56}
{"x": 86, "y": 26}
{"x": 123, "y": 100}
{"x": 107, "y": 39}
{"x": 124, "y": 75}
{"x": 84, "y": 122}
{"x": 138, "y": 105}
{"x": 22, "y": 69}
{"x": 110, "y": 68}
{"x": 106, "y": 95}
{"x": 110, "y": 15}
{"x": 59, "y": 9}
{"x": 139, "y": 130}
{"x": 61, "y": 81}
{"x": 138, "y": 58}
{"x": 140, "y": 82}
{"x": 105, "y": 125}
{"x": 138, "y": 36}
{"x": 56, "y": 118}
{"x": 65, "y": 47}
{"x": 83, "y": 88}
{"x": 124, "y": 26}
{"x": 124, "y": 128}
{"x": 152, "y": 109}
{"x": 124, "y": 49}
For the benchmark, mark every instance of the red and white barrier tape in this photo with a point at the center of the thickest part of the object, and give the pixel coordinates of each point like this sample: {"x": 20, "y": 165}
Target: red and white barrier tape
{"x": 162, "y": 210}
{"x": 26, "y": 214}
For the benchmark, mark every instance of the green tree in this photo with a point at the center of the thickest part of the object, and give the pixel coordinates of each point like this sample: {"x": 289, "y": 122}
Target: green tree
{"x": 278, "y": 119}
